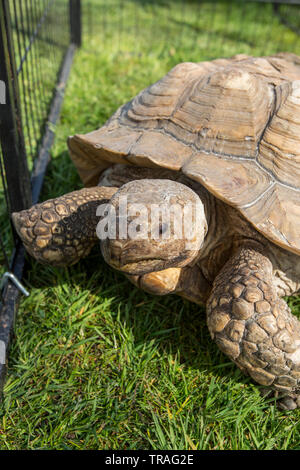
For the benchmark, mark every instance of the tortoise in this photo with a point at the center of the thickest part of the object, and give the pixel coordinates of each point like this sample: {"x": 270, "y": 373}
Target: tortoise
{"x": 223, "y": 135}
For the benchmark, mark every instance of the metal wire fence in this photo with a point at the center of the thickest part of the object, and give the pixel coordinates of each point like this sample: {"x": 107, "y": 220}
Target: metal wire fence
{"x": 37, "y": 43}
{"x": 37, "y": 35}
{"x": 200, "y": 29}
{"x": 41, "y": 36}
{"x": 289, "y": 15}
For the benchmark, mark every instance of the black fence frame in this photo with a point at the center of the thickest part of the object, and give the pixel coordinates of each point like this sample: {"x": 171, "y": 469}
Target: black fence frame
{"x": 23, "y": 188}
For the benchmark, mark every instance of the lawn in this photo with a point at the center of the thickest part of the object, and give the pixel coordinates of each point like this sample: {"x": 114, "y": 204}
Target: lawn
{"x": 96, "y": 363}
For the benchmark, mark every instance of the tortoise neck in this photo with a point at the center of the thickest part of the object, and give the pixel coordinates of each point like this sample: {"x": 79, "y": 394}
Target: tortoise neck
{"x": 217, "y": 242}
{"x": 209, "y": 204}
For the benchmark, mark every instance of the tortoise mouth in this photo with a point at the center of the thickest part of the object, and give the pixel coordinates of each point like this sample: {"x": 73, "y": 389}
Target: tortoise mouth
{"x": 139, "y": 267}
{"x": 132, "y": 264}
{"x": 147, "y": 266}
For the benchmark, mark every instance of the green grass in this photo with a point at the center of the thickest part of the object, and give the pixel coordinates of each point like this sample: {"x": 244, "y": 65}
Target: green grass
{"x": 96, "y": 363}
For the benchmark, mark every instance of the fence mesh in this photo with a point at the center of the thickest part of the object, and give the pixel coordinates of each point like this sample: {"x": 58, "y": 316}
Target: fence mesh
{"x": 199, "y": 30}
{"x": 289, "y": 14}
{"x": 40, "y": 34}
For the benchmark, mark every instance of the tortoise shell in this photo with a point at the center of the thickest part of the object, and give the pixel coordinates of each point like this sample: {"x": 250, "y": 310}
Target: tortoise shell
{"x": 231, "y": 124}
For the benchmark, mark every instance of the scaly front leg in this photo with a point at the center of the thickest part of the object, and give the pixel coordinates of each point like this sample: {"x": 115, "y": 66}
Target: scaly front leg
{"x": 61, "y": 231}
{"x": 253, "y": 326}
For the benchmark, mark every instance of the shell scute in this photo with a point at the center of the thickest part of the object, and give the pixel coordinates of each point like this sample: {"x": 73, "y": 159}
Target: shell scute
{"x": 235, "y": 182}
{"x": 279, "y": 150}
{"x": 278, "y": 215}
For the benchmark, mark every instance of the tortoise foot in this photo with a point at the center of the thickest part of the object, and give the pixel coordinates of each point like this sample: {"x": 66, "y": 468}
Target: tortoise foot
{"x": 254, "y": 327}
{"x": 61, "y": 231}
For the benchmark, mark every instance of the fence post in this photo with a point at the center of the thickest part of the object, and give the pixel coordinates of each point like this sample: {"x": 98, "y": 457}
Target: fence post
{"x": 75, "y": 21}
{"x": 11, "y": 130}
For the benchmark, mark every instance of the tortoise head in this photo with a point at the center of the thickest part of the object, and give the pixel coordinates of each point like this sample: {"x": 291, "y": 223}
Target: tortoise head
{"x": 151, "y": 225}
